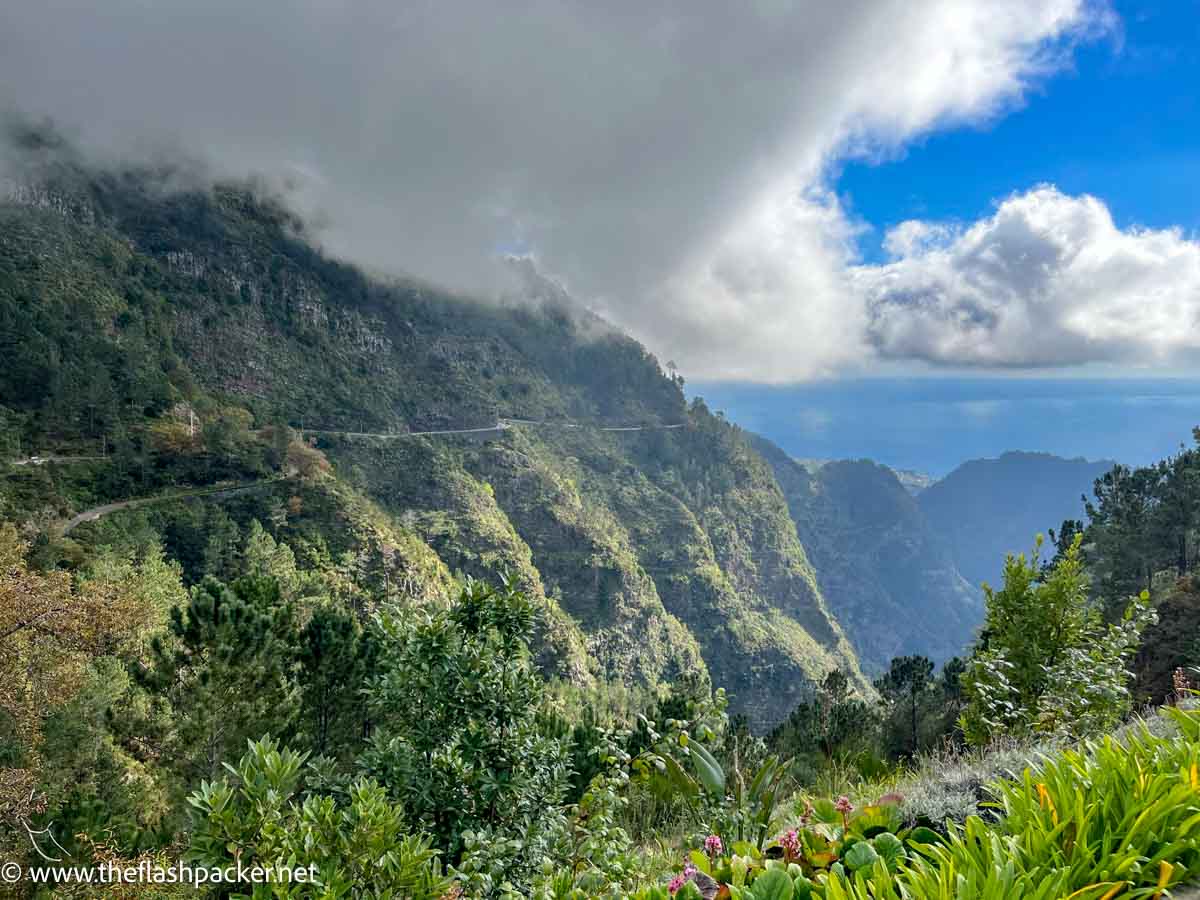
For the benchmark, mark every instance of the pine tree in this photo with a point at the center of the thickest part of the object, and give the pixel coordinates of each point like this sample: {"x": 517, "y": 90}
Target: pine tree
{"x": 332, "y": 669}
{"x": 227, "y": 670}
{"x": 904, "y": 686}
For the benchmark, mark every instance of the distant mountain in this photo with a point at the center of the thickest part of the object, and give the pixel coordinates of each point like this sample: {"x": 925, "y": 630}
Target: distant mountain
{"x": 886, "y": 574}
{"x": 987, "y": 508}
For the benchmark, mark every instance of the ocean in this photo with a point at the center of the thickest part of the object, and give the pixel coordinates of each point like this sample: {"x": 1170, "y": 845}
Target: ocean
{"x": 931, "y": 425}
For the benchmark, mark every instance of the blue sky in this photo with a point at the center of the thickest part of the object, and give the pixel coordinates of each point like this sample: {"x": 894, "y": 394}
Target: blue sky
{"x": 1122, "y": 122}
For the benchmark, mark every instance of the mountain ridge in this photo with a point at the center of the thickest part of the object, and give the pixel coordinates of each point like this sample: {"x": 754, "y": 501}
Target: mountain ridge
{"x": 888, "y": 577}
{"x": 124, "y": 300}
{"x": 988, "y": 508}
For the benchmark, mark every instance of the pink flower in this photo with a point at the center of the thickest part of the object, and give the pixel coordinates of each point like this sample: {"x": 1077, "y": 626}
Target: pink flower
{"x": 713, "y": 845}
{"x": 790, "y": 842}
{"x": 843, "y": 805}
{"x": 681, "y": 879}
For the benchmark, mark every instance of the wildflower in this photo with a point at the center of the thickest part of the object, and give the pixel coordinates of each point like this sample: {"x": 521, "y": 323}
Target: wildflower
{"x": 845, "y": 807}
{"x": 1045, "y": 800}
{"x": 681, "y": 879}
{"x": 713, "y": 845}
{"x": 790, "y": 842}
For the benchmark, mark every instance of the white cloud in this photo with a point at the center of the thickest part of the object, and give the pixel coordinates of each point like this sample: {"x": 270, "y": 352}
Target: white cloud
{"x": 667, "y": 160}
{"x": 1047, "y": 280}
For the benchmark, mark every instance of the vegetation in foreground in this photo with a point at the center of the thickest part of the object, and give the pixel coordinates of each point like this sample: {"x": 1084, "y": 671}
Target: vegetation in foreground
{"x": 419, "y": 752}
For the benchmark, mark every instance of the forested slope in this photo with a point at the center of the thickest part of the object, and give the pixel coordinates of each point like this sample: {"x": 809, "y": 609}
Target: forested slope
{"x": 188, "y": 336}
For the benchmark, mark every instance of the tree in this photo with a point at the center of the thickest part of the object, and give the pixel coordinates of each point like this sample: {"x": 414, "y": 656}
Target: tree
{"x": 904, "y": 687}
{"x": 1088, "y": 689}
{"x": 359, "y": 845}
{"x": 458, "y": 738}
{"x": 58, "y": 635}
{"x": 1176, "y": 497}
{"x": 1119, "y": 526}
{"x": 332, "y": 669}
{"x": 227, "y": 669}
{"x": 831, "y": 723}
{"x": 1062, "y": 541}
{"x": 43, "y": 647}
{"x": 1039, "y": 641}
{"x": 264, "y": 557}
{"x": 307, "y": 462}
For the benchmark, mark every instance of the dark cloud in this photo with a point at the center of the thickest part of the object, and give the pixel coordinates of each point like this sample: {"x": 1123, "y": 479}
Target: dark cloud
{"x": 664, "y": 160}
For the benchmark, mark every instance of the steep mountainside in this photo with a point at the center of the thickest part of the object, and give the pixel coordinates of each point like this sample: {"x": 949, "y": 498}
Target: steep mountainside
{"x": 887, "y": 575}
{"x": 181, "y": 333}
{"x": 987, "y": 508}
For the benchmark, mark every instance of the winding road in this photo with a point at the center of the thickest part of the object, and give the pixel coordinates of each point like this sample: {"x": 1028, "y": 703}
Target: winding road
{"x": 96, "y": 512}
{"x": 501, "y": 426}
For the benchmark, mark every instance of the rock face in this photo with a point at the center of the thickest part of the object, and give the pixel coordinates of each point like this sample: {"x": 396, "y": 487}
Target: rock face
{"x": 888, "y": 577}
{"x": 655, "y": 552}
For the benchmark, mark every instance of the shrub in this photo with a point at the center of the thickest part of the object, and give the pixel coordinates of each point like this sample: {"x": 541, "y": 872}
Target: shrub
{"x": 1117, "y": 817}
{"x": 458, "y": 740}
{"x": 1046, "y": 660}
{"x": 359, "y": 844}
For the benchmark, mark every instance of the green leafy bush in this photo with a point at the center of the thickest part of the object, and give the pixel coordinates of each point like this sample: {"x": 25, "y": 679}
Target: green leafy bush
{"x": 1046, "y": 659}
{"x": 458, "y": 741}
{"x": 1111, "y": 818}
{"x": 359, "y": 844}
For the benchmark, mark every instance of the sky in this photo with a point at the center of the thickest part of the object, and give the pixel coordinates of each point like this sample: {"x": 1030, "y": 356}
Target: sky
{"x": 770, "y": 192}
{"x": 932, "y": 425}
{"x": 1121, "y": 123}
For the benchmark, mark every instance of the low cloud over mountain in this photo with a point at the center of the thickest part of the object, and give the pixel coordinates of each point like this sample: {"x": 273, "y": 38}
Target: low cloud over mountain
{"x": 669, "y": 163}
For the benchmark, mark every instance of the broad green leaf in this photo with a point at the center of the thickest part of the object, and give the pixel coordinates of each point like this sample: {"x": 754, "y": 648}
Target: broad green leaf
{"x": 890, "y": 849}
{"x": 708, "y": 770}
{"x": 860, "y": 855}
{"x": 774, "y": 884}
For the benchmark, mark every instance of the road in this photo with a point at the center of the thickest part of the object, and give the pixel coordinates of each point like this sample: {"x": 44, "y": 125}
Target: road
{"x": 501, "y": 426}
{"x": 42, "y": 460}
{"x": 96, "y": 512}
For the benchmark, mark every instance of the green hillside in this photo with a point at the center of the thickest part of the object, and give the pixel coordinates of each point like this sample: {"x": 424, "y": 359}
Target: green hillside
{"x": 187, "y": 337}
